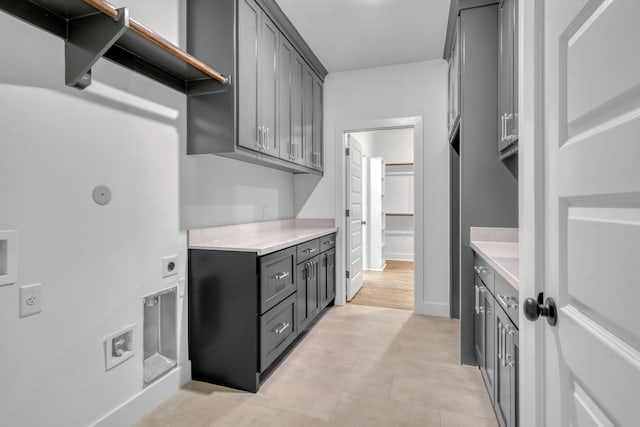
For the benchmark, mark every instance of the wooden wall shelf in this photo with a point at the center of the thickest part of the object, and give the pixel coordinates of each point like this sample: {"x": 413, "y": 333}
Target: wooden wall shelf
{"x": 94, "y": 28}
{"x": 399, "y": 164}
{"x": 398, "y": 214}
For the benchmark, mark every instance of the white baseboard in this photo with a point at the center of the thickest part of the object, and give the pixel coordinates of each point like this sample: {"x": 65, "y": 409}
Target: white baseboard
{"x": 148, "y": 398}
{"x": 398, "y": 256}
{"x": 431, "y": 309}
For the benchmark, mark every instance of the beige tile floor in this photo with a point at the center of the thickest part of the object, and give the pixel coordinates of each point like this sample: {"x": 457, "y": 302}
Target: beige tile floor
{"x": 359, "y": 366}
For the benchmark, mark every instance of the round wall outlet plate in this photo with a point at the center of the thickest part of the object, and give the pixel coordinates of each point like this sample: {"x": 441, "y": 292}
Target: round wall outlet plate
{"x": 102, "y": 195}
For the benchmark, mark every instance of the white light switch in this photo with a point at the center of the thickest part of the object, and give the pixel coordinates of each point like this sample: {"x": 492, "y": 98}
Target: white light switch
{"x": 30, "y": 299}
{"x": 181, "y": 287}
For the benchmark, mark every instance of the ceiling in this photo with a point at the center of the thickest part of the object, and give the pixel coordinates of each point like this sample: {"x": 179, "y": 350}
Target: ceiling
{"x": 355, "y": 34}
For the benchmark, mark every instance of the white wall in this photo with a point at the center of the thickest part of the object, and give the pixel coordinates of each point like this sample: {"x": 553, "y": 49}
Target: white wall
{"x": 393, "y": 145}
{"x": 407, "y": 90}
{"x": 97, "y": 262}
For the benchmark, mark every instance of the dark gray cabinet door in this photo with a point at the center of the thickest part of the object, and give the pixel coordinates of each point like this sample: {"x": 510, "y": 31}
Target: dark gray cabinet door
{"x": 285, "y": 65}
{"x": 308, "y": 296}
{"x": 317, "y": 123}
{"x": 489, "y": 318}
{"x": 268, "y": 90}
{"x": 307, "y": 116}
{"x": 503, "y": 391}
{"x": 507, "y": 74}
{"x": 454, "y": 81}
{"x": 249, "y": 24}
{"x": 479, "y": 323}
{"x": 277, "y": 277}
{"x": 331, "y": 275}
{"x": 297, "y": 108}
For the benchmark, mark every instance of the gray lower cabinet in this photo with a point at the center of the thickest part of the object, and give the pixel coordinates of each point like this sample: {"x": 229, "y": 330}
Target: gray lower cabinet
{"x": 271, "y": 112}
{"x": 245, "y": 311}
{"x": 308, "y": 292}
{"x": 496, "y": 341}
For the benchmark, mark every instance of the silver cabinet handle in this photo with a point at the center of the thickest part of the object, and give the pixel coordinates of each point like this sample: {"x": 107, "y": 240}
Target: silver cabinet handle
{"x": 502, "y": 128}
{"x": 281, "y": 275}
{"x": 504, "y": 301}
{"x": 509, "y": 360}
{"x": 309, "y": 250}
{"x": 477, "y": 294}
{"x": 282, "y": 328}
{"x": 500, "y": 342}
{"x": 258, "y": 137}
{"x": 330, "y": 242}
{"x": 476, "y": 269}
{"x": 266, "y": 139}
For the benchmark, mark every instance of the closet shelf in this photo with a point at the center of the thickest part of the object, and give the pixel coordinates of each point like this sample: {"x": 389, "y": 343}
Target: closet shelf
{"x": 94, "y": 28}
{"x": 399, "y": 164}
{"x": 398, "y": 214}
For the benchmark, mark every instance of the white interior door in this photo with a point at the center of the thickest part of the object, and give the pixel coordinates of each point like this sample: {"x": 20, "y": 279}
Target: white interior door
{"x": 354, "y": 220}
{"x": 589, "y": 363}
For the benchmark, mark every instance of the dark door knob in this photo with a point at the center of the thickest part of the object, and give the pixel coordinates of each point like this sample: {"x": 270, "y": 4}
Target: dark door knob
{"x": 533, "y": 309}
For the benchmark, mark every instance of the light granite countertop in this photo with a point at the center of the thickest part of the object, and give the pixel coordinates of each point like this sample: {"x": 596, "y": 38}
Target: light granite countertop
{"x": 262, "y": 237}
{"x": 500, "y": 250}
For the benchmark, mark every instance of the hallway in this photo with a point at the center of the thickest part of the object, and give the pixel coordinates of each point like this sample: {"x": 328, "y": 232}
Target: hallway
{"x": 391, "y": 288}
{"x": 359, "y": 366}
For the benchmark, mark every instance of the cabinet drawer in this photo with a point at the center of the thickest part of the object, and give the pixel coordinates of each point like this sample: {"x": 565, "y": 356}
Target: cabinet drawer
{"x": 277, "y": 277}
{"x": 327, "y": 242}
{"x": 277, "y": 331}
{"x": 507, "y": 297}
{"x": 308, "y": 249}
{"x": 485, "y": 272}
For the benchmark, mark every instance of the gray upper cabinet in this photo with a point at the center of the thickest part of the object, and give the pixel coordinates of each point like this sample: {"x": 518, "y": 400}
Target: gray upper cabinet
{"x": 249, "y": 131}
{"x": 307, "y": 116}
{"x": 268, "y": 94}
{"x": 266, "y": 114}
{"x": 297, "y": 73}
{"x": 453, "y": 117}
{"x": 285, "y": 65}
{"x": 508, "y": 78}
{"x": 317, "y": 124}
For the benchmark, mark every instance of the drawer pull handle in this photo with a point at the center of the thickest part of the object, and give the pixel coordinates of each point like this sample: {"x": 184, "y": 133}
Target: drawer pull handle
{"x": 309, "y": 250}
{"x": 504, "y": 300}
{"x": 328, "y": 242}
{"x": 282, "y": 328}
{"x": 280, "y": 276}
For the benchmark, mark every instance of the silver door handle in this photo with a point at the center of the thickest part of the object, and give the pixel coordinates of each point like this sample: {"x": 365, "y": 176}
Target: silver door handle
{"x": 502, "y": 129}
{"x": 509, "y": 360}
{"x": 266, "y": 139}
{"x": 328, "y": 242}
{"x": 280, "y": 276}
{"x": 282, "y": 328}
{"x": 500, "y": 342}
{"x": 309, "y": 250}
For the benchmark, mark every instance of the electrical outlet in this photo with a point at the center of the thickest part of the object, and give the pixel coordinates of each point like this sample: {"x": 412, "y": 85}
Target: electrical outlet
{"x": 170, "y": 266}
{"x": 30, "y": 299}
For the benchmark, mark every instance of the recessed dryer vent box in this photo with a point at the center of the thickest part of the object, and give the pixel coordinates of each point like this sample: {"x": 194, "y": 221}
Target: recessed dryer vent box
{"x": 160, "y": 334}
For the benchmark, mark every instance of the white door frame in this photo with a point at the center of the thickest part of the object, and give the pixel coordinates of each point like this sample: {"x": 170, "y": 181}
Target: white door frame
{"x": 418, "y": 149}
{"x": 531, "y": 205}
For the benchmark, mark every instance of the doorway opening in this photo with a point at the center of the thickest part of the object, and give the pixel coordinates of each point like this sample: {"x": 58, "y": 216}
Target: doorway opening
{"x": 381, "y": 220}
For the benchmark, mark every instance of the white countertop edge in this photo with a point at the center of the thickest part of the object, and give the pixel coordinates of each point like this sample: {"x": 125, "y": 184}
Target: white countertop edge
{"x": 510, "y": 278}
{"x": 268, "y": 248}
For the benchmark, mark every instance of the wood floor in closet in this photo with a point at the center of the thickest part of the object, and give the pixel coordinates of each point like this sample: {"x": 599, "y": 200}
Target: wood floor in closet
{"x": 392, "y": 288}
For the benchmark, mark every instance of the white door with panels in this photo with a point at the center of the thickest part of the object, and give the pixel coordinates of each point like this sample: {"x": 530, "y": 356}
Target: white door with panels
{"x": 584, "y": 247}
{"x": 354, "y": 216}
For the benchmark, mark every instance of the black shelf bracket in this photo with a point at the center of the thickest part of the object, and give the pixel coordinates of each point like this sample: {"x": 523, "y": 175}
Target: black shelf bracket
{"x": 89, "y": 38}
